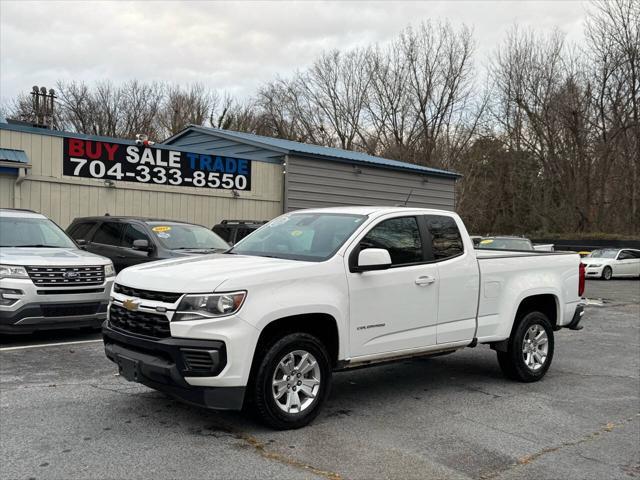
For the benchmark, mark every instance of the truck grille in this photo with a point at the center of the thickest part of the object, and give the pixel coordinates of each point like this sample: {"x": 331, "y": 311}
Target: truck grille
{"x": 147, "y": 294}
{"x": 138, "y": 322}
{"x": 66, "y": 276}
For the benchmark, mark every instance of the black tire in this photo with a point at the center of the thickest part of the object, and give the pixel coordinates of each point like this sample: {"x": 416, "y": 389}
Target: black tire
{"x": 262, "y": 397}
{"x": 607, "y": 273}
{"x": 512, "y": 362}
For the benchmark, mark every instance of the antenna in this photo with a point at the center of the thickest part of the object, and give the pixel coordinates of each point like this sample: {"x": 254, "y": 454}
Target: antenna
{"x": 408, "y": 197}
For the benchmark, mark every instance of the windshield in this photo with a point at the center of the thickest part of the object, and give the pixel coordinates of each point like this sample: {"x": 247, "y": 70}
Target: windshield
{"x": 506, "y": 244}
{"x": 32, "y": 232}
{"x": 183, "y": 236}
{"x": 608, "y": 253}
{"x": 301, "y": 236}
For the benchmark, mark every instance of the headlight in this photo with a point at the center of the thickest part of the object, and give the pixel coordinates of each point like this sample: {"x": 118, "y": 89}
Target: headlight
{"x": 594, "y": 265}
{"x": 109, "y": 271}
{"x": 12, "y": 271}
{"x": 196, "y": 307}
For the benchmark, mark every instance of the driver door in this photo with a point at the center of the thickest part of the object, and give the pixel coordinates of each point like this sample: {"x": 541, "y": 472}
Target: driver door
{"x": 397, "y": 308}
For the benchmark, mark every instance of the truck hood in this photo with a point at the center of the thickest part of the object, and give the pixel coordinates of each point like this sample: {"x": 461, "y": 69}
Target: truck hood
{"x": 53, "y": 257}
{"x": 200, "y": 274}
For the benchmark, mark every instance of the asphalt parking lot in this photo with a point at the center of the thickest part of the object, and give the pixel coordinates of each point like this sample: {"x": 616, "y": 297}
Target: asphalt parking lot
{"x": 64, "y": 413}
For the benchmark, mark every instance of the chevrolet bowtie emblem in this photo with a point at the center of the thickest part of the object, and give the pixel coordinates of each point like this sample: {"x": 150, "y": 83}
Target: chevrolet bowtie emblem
{"x": 130, "y": 305}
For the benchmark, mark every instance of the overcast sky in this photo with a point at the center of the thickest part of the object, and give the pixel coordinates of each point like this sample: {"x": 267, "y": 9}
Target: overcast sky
{"x": 233, "y": 46}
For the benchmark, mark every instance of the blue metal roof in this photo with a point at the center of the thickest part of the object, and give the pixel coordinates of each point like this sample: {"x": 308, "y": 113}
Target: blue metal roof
{"x": 289, "y": 146}
{"x": 11, "y": 155}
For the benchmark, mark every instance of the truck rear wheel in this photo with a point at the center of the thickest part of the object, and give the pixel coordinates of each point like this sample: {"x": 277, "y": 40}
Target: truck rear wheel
{"x": 292, "y": 381}
{"x": 530, "y": 349}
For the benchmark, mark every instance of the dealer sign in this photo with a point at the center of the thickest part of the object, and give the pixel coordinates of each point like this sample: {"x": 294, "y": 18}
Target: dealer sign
{"x": 136, "y": 163}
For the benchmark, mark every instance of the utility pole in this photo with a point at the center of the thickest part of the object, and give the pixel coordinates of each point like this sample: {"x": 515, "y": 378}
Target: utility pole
{"x": 43, "y": 106}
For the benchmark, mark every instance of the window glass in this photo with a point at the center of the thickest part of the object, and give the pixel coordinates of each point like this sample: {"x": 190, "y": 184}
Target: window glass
{"x": 634, "y": 253}
{"x": 32, "y": 232}
{"x": 400, "y": 236}
{"x": 497, "y": 243}
{"x": 81, "y": 231}
{"x": 131, "y": 233}
{"x": 300, "y": 236}
{"x": 186, "y": 236}
{"x": 109, "y": 234}
{"x": 446, "y": 241}
{"x": 604, "y": 253}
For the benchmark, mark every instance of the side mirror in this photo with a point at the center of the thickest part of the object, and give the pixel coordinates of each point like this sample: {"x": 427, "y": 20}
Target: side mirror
{"x": 141, "y": 245}
{"x": 81, "y": 242}
{"x": 373, "y": 259}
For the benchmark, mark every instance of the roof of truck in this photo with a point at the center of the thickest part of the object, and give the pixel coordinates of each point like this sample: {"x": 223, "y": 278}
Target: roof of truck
{"x": 368, "y": 210}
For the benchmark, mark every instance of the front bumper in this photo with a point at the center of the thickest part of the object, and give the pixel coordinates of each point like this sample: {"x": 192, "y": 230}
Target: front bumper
{"x": 38, "y": 308}
{"x": 163, "y": 364}
{"x": 593, "y": 272}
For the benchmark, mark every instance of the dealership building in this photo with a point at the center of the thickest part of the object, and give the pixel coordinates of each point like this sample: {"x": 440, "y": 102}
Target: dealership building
{"x": 201, "y": 175}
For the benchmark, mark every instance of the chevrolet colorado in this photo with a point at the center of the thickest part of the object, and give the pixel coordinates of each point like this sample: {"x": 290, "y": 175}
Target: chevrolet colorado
{"x": 315, "y": 291}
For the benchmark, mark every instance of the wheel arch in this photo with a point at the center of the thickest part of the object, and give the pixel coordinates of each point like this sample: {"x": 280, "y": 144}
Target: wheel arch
{"x": 547, "y": 303}
{"x": 321, "y": 325}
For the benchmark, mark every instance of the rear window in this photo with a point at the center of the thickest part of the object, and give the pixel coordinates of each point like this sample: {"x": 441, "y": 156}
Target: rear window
{"x": 446, "y": 241}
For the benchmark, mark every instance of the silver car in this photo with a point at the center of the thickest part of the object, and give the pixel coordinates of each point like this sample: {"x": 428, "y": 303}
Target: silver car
{"x": 46, "y": 281}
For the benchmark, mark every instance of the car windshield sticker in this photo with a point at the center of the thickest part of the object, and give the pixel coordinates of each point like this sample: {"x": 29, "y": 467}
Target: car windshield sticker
{"x": 296, "y": 233}
{"x": 163, "y": 235}
{"x": 484, "y": 242}
{"x": 162, "y": 228}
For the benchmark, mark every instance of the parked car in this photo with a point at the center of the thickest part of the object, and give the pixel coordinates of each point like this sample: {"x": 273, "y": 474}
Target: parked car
{"x": 612, "y": 262}
{"x": 46, "y": 281}
{"x": 511, "y": 243}
{"x": 129, "y": 241}
{"x": 235, "y": 230}
{"x": 315, "y": 291}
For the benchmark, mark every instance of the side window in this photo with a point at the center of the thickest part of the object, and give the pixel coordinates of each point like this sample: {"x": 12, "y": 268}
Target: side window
{"x": 81, "y": 231}
{"x": 446, "y": 241}
{"x": 400, "y": 236}
{"x": 131, "y": 233}
{"x": 109, "y": 234}
{"x": 635, "y": 254}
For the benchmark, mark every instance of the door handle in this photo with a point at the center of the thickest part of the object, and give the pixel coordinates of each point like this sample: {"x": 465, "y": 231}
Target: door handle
{"x": 121, "y": 256}
{"x": 425, "y": 280}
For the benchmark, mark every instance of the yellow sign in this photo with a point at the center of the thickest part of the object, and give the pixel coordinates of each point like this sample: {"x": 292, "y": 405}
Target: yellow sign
{"x": 161, "y": 229}
{"x": 484, "y": 242}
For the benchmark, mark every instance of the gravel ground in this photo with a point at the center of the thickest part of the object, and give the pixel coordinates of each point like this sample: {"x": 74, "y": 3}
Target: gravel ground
{"x": 65, "y": 414}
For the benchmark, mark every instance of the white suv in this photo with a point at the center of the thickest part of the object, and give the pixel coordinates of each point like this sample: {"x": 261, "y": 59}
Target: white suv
{"x": 46, "y": 281}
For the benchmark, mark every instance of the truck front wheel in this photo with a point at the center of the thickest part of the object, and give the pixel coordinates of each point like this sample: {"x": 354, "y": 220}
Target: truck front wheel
{"x": 530, "y": 349}
{"x": 292, "y": 381}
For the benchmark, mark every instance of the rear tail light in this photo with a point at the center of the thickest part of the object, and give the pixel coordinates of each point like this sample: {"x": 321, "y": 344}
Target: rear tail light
{"x": 581, "y": 279}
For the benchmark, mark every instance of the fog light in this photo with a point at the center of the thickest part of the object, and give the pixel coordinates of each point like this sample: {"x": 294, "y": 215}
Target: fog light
{"x": 9, "y": 296}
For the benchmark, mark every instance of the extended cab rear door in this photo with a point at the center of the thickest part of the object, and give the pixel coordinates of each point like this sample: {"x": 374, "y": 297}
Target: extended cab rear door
{"x": 394, "y": 309}
{"x": 459, "y": 278}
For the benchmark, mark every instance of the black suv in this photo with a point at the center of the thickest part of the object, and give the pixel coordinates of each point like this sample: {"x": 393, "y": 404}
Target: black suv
{"x": 132, "y": 240}
{"x": 235, "y": 230}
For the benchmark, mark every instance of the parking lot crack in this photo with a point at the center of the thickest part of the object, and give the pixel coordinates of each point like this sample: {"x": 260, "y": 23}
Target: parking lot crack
{"x": 528, "y": 459}
{"x": 261, "y": 448}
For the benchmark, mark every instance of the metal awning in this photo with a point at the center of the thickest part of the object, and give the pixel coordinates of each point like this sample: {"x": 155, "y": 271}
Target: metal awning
{"x": 10, "y": 158}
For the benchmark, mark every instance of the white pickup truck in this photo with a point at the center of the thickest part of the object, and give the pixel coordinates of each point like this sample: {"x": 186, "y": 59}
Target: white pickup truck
{"x": 315, "y": 291}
